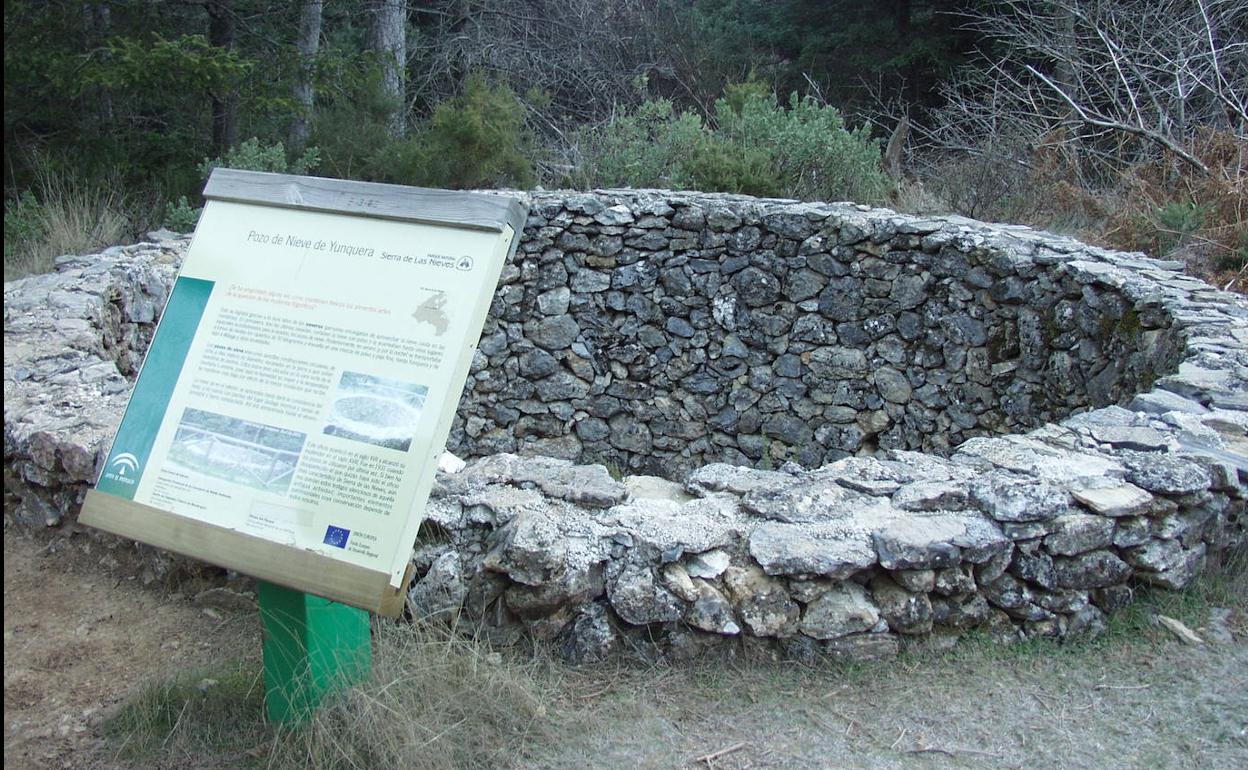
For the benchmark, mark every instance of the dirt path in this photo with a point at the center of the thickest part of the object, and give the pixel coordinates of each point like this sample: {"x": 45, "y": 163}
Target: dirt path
{"x": 77, "y": 641}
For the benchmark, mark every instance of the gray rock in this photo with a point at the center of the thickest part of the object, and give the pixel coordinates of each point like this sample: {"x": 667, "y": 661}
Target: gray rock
{"x": 961, "y": 611}
{"x": 761, "y": 602}
{"x": 1088, "y": 622}
{"x": 1179, "y": 576}
{"x": 910, "y": 545}
{"x": 629, "y": 435}
{"x": 807, "y": 501}
{"x": 810, "y": 550}
{"x": 441, "y": 592}
{"x": 916, "y": 580}
{"x": 1162, "y": 401}
{"x": 589, "y": 638}
{"x": 954, "y": 580}
{"x": 1110, "y": 599}
{"x": 638, "y": 598}
{"x": 1165, "y": 473}
{"x": 555, "y": 301}
{"x": 1076, "y": 533}
{"x": 1006, "y": 592}
{"x": 1118, "y": 500}
{"x": 906, "y": 612}
{"x": 755, "y": 287}
{"x": 931, "y": 496}
{"x": 893, "y": 385}
{"x": 1132, "y": 531}
{"x": 614, "y": 216}
{"x": 676, "y": 579}
{"x": 843, "y": 610}
{"x": 708, "y": 565}
{"x": 555, "y": 332}
{"x": 667, "y": 526}
{"x": 711, "y": 611}
{"x": 1121, "y": 437}
{"x": 837, "y": 363}
{"x": 1096, "y": 569}
{"x": 1035, "y": 566}
{"x": 1166, "y": 562}
{"x": 1015, "y": 499}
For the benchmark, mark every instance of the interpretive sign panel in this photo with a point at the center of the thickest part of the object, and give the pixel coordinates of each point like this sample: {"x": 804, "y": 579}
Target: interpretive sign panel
{"x": 303, "y": 378}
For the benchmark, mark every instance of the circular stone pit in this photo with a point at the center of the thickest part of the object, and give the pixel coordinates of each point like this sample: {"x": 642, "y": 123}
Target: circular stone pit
{"x": 865, "y": 363}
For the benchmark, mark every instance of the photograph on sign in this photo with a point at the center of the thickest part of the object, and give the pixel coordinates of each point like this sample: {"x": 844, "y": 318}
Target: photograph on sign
{"x": 304, "y": 375}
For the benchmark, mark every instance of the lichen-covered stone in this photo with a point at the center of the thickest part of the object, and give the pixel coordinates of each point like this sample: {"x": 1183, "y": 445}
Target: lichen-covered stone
{"x": 906, "y": 612}
{"x": 762, "y": 603}
{"x": 844, "y": 610}
{"x": 1012, "y": 499}
{"x": 1095, "y": 569}
{"x": 1076, "y": 533}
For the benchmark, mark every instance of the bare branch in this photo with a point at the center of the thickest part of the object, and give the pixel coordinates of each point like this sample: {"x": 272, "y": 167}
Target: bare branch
{"x": 1094, "y": 119}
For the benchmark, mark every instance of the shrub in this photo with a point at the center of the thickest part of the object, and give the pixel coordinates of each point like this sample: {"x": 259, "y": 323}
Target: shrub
{"x": 753, "y": 145}
{"x": 477, "y": 139}
{"x": 251, "y": 155}
{"x": 180, "y": 216}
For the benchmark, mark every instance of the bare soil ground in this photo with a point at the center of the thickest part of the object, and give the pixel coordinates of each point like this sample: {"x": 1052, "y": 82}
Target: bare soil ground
{"x": 80, "y": 645}
{"x": 78, "y": 640}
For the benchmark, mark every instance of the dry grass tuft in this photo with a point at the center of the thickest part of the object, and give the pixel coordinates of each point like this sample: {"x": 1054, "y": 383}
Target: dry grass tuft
{"x": 63, "y": 215}
{"x": 434, "y": 701}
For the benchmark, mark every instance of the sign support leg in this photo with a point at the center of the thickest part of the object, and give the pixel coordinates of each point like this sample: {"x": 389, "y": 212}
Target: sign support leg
{"x": 312, "y": 647}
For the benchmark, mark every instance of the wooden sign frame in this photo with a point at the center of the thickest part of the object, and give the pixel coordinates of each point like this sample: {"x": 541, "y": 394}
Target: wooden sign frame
{"x": 303, "y": 569}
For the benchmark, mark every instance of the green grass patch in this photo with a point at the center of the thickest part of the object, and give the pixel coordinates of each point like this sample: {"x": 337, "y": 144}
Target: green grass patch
{"x": 210, "y": 711}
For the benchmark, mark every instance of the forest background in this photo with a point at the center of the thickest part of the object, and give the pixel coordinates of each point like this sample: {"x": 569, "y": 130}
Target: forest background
{"x": 1124, "y": 122}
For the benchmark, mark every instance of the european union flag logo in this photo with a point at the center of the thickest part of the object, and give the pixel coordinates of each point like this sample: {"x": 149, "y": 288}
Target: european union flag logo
{"x": 337, "y": 536}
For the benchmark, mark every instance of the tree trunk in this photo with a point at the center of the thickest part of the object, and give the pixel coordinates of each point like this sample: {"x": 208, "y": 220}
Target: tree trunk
{"x": 388, "y": 38}
{"x": 308, "y": 43}
{"x": 222, "y": 30}
{"x": 99, "y": 28}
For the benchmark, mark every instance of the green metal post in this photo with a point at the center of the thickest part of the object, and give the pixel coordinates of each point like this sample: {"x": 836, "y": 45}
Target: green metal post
{"x": 312, "y": 647}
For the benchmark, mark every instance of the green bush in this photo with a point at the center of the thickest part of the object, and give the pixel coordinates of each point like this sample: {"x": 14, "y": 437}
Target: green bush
{"x": 251, "y": 155}
{"x": 180, "y": 216}
{"x": 475, "y": 140}
{"x": 478, "y": 139}
{"x": 647, "y": 148}
{"x": 753, "y": 145}
{"x": 1175, "y": 222}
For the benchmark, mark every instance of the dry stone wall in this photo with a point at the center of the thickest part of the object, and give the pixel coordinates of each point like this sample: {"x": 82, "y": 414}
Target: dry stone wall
{"x": 632, "y": 327}
{"x": 659, "y": 332}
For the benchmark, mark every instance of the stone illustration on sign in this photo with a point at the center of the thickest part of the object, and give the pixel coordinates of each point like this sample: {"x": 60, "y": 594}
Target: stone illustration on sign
{"x": 250, "y": 453}
{"x": 376, "y": 410}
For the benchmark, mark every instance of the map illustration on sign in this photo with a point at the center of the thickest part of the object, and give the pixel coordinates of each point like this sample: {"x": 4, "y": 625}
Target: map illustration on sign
{"x": 433, "y": 312}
